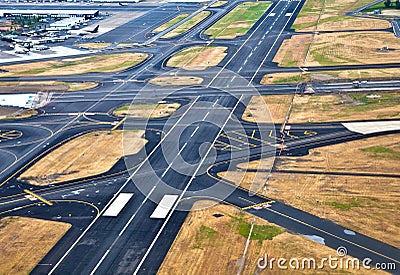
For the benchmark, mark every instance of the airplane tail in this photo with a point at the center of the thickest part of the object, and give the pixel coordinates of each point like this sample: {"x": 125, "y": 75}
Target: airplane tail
{"x": 95, "y": 29}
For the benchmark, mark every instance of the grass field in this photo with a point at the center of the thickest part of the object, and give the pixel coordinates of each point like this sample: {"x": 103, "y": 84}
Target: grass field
{"x": 88, "y": 155}
{"x": 277, "y": 106}
{"x": 212, "y": 241}
{"x": 25, "y": 241}
{"x": 176, "y": 80}
{"x": 238, "y": 21}
{"x": 45, "y": 86}
{"x": 219, "y": 3}
{"x": 355, "y": 202}
{"x": 97, "y": 63}
{"x": 333, "y": 16}
{"x": 362, "y": 204}
{"x": 326, "y": 76}
{"x": 147, "y": 110}
{"x": 345, "y": 48}
{"x": 93, "y": 46}
{"x": 336, "y": 48}
{"x": 187, "y": 25}
{"x": 15, "y": 113}
{"x": 293, "y": 51}
{"x": 377, "y": 155}
{"x": 282, "y": 78}
{"x": 353, "y": 48}
{"x": 171, "y": 22}
{"x": 253, "y": 181}
{"x": 344, "y": 107}
{"x": 198, "y": 58}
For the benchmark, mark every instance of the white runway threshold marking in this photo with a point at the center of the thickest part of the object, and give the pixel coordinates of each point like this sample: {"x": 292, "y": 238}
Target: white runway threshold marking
{"x": 164, "y": 207}
{"x": 118, "y": 204}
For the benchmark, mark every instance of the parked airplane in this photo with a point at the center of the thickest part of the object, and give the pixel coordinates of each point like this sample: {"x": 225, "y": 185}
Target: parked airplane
{"x": 84, "y": 32}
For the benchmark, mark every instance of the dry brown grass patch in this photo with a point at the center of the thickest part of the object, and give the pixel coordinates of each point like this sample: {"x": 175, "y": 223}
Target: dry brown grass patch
{"x": 293, "y": 51}
{"x": 353, "y": 156}
{"x": 253, "y": 181}
{"x": 198, "y": 58}
{"x": 15, "y": 113}
{"x": 88, "y": 155}
{"x": 208, "y": 244}
{"x": 353, "y": 48}
{"x": 25, "y": 241}
{"x": 147, "y": 110}
{"x": 93, "y": 46}
{"x": 277, "y": 106}
{"x": 97, "y": 63}
{"x": 44, "y": 86}
{"x": 353, "y": 23}
{"x": 176, "y": 80}
{"x": 362, "y": 204}
{"x": 328, "y": 76}
{"x": 187, "y": 25}
{"x": 345, "y": 107}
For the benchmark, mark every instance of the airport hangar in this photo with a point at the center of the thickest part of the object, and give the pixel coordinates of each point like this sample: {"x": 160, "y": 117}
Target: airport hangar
{"x": 52, "y": 13}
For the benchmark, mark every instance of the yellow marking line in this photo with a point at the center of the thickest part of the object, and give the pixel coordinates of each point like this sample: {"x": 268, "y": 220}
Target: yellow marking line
{"x": 254, "y": 138}
{"x": 38, "y": 197}
{"x": 238, "y": 140}
{"x": 10, "y": 134}
{"x": 274, "y": 137}
{"x": 95, "y": 121}
{"x": 289, "y": 135}
{"x": 226, "y": 145}
{"x": 310, "y": 133}
{"x": 252, "y": 134}
{"x": 257, "y": 205}
{"x": 118, "y": 124}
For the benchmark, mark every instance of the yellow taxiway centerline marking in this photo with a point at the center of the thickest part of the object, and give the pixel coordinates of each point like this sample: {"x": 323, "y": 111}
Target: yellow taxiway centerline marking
{"x": 118, "y": 124}
{"x": 38, "y": 197}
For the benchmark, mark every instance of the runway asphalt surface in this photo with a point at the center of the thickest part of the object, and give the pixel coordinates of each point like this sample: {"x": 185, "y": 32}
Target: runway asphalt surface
{"x": 184, "y": 153}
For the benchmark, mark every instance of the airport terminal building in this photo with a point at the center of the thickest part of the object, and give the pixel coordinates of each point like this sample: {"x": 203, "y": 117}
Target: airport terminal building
{"x": 52, "y": 13}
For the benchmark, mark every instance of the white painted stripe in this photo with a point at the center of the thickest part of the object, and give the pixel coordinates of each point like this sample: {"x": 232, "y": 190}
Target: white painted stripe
{"x": 118, "y": 204}
{"x": 271, "y": 15}
{"x": 194, "y": 132}
{"x": 164, "y": 207}
{"x": 288, "y": 14}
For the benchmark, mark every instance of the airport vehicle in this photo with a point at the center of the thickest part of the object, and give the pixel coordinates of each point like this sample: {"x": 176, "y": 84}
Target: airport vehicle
{"x": 18, "y": 49}
{"x": 359, "y": 84}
